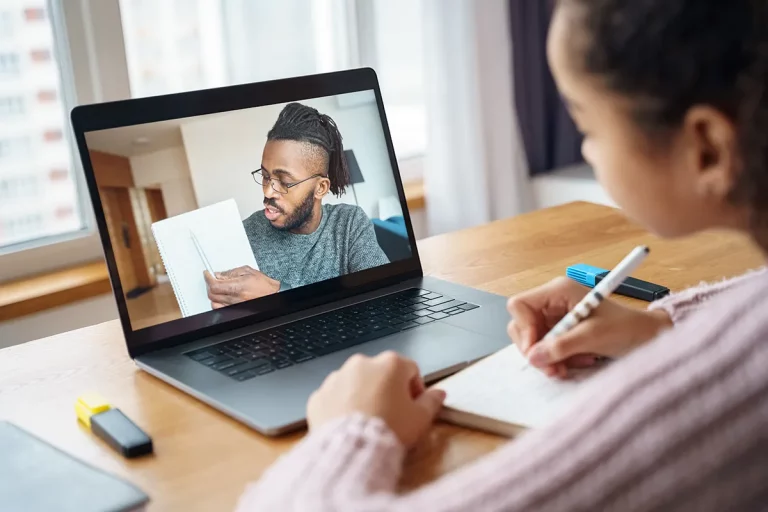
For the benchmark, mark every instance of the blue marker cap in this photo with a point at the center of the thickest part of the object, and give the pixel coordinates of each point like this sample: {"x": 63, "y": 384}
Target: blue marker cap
{"x": 585, "y": 274}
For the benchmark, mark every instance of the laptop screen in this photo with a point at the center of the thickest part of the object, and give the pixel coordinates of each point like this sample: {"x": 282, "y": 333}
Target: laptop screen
{"x": 210, "y": 212}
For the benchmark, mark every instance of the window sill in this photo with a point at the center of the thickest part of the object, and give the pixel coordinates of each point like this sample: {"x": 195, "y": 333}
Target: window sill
{"x": 414, "y": 195}
{"x": 45, "y": 291}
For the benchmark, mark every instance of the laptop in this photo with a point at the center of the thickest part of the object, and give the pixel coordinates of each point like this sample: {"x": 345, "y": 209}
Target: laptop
{"x": 328, "y": 277}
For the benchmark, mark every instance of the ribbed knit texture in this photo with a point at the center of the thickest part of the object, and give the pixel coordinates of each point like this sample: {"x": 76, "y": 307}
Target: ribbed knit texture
{"x": 680, "y": 424}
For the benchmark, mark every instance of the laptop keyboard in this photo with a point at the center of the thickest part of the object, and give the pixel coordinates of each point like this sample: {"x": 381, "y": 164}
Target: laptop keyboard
{"x": 264, "y": 352}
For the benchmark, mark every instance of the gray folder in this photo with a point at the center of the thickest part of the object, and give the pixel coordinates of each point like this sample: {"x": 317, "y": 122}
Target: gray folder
{"x": 35, "y": 476}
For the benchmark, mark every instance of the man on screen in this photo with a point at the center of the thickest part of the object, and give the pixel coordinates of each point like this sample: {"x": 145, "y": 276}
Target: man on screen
{"x": 296, "y": 239}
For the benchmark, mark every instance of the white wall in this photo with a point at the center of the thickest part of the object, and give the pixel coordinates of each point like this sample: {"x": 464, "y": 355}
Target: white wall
{"x": 576, "y": 183}
{"x": 169, "y": 169}
{"x": 223, "y": 149}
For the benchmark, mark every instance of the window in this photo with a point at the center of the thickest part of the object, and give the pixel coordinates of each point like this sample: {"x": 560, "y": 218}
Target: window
{"x": 47, "y": 96}
{"x": 64, "y": 212}
{"x": 397, "y": 54}
{"x": 192, "y": 44}
{"x": 6, "y": 25}
{"x": 34, "y": 14}
{"x": 53, "y": 135}
{"x": 19, "y": 187}
{"x": 43, "y": 55}
{"x": 14, "y": 147}
{"x": 36, "y": 203}
{"x": 172, "y": 46}
{"x": 18, "y": 228}
{"x": 9, "y": 64}
{"x": 58, "y": 175}
{"x": 11, "y": 106}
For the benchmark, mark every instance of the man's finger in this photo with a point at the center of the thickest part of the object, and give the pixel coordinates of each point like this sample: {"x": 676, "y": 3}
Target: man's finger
{"x": 224, "y": 300}
{"x": 235, "y": 272}
{"x": 230, "y": 287}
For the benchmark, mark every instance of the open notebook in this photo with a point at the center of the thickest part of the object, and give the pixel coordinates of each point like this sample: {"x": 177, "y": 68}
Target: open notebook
{"x": 222, "y": 239}
{"x": 503, "y": 395}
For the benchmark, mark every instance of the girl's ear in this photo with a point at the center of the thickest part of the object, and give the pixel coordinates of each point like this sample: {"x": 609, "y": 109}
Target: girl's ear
{"x": 712, "y": 152}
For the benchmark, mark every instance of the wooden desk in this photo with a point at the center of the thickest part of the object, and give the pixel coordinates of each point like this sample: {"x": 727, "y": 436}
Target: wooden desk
{"x": 203, "y": 459}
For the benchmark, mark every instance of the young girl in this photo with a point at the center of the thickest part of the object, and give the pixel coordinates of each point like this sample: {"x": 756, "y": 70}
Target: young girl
{"x": 672, "y": 97}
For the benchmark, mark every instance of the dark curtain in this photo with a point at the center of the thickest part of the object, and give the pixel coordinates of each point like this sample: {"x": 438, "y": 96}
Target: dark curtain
{"x": 549, "y": 135}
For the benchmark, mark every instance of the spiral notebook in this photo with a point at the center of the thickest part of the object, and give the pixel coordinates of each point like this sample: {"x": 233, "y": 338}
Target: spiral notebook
{"x": 221, "y": 238}
{"x": 502, "y": 394}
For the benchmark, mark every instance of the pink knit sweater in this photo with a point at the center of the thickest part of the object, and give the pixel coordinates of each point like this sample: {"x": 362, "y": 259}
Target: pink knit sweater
{"x": 680, "y": 424}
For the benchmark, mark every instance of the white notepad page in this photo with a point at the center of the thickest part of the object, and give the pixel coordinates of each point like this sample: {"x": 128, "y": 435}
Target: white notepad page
{"x": 222, "y": 237}
{"x": 504, "y": 388}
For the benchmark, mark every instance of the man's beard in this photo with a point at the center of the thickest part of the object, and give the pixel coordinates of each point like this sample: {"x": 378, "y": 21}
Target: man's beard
{"x": 300, "y": 216}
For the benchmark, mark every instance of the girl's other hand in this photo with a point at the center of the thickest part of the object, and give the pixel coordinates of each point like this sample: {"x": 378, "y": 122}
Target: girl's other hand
{"x": 387, "y": 386}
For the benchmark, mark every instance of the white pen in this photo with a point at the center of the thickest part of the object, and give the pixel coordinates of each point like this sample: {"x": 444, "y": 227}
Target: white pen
{"x": 599, "y": 293}
{"x": 202, "y": 253}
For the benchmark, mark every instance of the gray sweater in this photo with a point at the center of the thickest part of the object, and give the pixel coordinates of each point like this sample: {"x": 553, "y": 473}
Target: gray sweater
{"x": 343, "y": 243}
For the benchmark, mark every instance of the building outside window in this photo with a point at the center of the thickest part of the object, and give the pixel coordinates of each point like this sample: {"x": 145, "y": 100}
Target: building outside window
{"x": 32, "y": 132}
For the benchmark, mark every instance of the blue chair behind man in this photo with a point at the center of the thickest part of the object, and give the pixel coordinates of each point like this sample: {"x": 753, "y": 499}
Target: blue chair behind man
{"x": 393, "y": 237}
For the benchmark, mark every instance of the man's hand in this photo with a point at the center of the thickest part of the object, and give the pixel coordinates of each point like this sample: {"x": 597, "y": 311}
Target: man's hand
{"x": 238, "y": 285}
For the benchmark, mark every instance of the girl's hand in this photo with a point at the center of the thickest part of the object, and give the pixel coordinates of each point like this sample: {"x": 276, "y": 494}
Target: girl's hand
{"x": 387, "y": 386}
{"x": 611, "y": 330}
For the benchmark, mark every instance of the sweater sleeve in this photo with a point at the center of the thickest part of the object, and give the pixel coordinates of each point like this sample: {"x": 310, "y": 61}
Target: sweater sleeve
{"x": 681, "y": 305}
{"x": 677, "y": 425}
{"x": 354, "y": 457}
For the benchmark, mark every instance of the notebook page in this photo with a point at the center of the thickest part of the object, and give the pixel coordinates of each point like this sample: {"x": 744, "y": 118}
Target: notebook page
{"x": 504, "y": 388}
{"x": 222, "y": 238}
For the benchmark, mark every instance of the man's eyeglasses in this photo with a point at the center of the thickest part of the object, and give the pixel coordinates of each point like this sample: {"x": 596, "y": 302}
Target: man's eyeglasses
{"x": 261, "y": 177}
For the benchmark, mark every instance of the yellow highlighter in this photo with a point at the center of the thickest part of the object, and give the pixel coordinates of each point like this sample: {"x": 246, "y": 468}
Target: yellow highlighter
{"x": 111, "y": 425}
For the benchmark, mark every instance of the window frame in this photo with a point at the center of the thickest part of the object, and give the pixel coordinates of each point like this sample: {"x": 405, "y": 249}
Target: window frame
{"x": 88, "y": 73}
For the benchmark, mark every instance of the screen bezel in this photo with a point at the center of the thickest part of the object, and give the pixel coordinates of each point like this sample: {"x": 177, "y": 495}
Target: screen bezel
{"x": 124, "y": 113}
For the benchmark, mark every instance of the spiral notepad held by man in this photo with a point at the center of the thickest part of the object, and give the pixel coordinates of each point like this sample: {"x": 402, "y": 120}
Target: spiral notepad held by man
{"x": 211, "y": 238}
